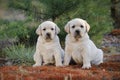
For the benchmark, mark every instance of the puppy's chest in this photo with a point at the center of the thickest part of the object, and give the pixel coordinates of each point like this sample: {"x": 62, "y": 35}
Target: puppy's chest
{"x": 77, "y": 45}
{"x": 47, "y": 49}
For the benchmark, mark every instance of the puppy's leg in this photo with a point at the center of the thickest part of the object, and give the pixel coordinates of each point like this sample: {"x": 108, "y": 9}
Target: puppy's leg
{"x": 37, "y": 59}
{"x": 86, "y": 59}
{"x": 99, "y": 58}
{"x": 67, "y": 57}
{"x": 58, "y": 58}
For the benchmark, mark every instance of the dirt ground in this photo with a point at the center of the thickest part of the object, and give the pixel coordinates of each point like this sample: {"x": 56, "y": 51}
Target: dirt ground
{"x": 109, "y": 70}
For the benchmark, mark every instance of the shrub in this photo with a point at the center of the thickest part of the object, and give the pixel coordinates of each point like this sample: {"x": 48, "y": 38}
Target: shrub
{"x": 20, "y": 4}
{"x": 96, "y": 14}
{"x": 12, "y": 29}
{"x": 21, "y": 31}
{"x": 19, "y": 54}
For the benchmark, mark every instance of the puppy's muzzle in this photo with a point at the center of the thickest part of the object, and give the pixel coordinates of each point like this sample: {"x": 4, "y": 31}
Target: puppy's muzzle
{"x": 77, "y": 34}
{"x": 48, "y": 36}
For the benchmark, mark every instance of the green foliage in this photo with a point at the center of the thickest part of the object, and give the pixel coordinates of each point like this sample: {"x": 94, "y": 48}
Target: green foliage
{"x": 11, "y": 29}
{"x": 22, "y": 31}
{"x": 30, "y": 7}
{"x": 20, "y": 53}
{"x": 97, "y": 14}
{"x": 55, "y": 8}
{"x": 20, "y": 4}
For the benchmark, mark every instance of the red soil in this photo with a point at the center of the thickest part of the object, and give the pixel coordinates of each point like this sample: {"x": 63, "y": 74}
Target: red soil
{"x": 115, "y": 32}
{"x": 109, "y": 70}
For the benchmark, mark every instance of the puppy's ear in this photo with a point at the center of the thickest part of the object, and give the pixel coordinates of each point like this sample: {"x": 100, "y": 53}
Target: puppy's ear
{"x": 87, "y": 26}
{"x": 67, "y": 27}
{"x": 38, "y": 30}
{"x": 57, "y": 29}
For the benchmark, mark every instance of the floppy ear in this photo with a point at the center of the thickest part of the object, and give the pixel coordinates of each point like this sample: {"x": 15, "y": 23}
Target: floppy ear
{"x": 67, "y": 27}
{"x": 87, "y": 26}
{"x": 57, "y": 29}
{"x": 38, "y": 30}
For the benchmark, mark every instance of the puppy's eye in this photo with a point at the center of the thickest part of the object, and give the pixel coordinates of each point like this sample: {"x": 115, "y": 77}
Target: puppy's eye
{"x": 52, "y": 28}
{"x": 73, "y": 26}
{"x": 44, "y": 29}
{"x": 81, "y": 26}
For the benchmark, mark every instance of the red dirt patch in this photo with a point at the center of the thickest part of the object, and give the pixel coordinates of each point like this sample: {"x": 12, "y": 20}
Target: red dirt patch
{"x": 109, "y": 70}
{"x": 115, "y": 32}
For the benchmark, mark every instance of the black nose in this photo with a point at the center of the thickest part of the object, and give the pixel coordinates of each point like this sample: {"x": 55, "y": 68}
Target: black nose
{"x": 48, "y": 34}
{"x": 77, "y": 31}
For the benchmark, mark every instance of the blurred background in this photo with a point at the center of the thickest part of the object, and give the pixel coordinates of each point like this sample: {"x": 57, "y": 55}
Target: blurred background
{"x": 20, "y": 18}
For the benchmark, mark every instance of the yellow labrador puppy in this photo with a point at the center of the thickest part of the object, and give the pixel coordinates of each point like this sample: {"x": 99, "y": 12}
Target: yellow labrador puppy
{"x": 79, "y": 46}
{"x": 48, "y": 48}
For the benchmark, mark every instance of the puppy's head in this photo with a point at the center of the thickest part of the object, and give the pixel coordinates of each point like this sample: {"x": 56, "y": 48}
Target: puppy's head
{"x": 77, "y": 28}
{"x": 48, "y": 30}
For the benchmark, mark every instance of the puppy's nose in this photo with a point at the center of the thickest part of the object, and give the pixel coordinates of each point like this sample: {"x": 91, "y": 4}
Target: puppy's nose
{"x": 77, "y": 31}
{"x": 48, "y": 34}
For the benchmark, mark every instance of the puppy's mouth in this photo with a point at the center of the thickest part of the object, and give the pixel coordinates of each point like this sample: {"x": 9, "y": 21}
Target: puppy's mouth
{"x": 77, "y": 34}
{"x": 48, "y": 37}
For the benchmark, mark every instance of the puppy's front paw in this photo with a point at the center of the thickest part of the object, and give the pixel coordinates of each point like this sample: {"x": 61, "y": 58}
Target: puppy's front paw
{"x": 65, "y": 64}
{"x": 35, "y": 65}
{"x": 59, "y": 65}
{"x": 86, "y": 66}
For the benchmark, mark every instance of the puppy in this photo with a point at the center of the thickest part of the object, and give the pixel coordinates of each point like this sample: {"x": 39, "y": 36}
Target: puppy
{"x": 48, "y": 48}
{"x": 79, "y": 46}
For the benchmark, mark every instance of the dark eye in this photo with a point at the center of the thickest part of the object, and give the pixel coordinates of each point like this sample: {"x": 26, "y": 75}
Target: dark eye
{"x": 52, "y": 28}
{"x": 44, "y": 29}
{"x": 81, "y": 26}
{"x": 73, "y": 26}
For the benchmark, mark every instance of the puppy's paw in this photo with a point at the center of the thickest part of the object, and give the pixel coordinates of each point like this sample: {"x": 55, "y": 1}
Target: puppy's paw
{"x": 86, "y": 66}
{"x": 65, "y": 64}
{"x": 59, "y": 65}
{"x": 35, "y": 65}
{"x": 47, "y": 64}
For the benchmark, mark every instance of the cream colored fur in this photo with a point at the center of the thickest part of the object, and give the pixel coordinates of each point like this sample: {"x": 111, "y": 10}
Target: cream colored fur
{"x": 79, "y": 46}
{"x": 48, "y": 48}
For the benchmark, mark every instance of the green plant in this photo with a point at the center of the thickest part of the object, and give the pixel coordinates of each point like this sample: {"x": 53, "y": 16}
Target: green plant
{"x": 55, "y": 8}
{"x": 96, "y": 14}
{"x": 22, "y": 31}
{"x": 20, "y": 4}
{"x": 12, "y": 29}
{"x": 20, "y": 53}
